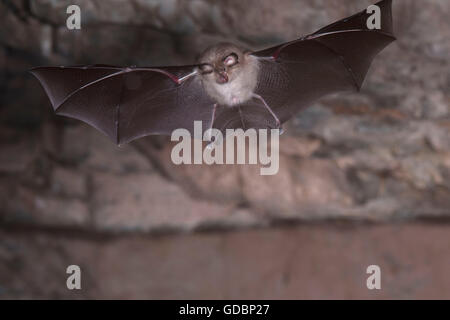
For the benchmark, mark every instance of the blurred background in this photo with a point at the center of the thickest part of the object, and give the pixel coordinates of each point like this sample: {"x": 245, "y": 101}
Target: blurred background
{"x": 364, "y": 177}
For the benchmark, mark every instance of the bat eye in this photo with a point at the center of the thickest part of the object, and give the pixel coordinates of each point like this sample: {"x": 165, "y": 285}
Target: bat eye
{"x": 206, "y": 68}
{"x": 231, "y": 60}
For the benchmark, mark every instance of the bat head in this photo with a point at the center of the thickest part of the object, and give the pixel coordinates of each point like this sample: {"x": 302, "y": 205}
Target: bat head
{"x": 221, "y": 63}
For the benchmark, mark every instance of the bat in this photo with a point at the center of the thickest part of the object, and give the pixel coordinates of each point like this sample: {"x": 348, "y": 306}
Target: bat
{"x": 228, "y": 87}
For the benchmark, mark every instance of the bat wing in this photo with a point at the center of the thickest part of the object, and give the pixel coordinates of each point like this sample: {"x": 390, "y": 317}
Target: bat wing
{"x": 127, "y": 103}
{"x": 294, "y": 74}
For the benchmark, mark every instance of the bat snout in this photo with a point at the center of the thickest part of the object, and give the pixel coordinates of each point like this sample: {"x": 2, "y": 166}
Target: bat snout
{"x": 222, "y": 77}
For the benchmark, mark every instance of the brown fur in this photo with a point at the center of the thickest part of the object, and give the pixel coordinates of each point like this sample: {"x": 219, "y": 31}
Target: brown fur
{"x": 242, "y": 77}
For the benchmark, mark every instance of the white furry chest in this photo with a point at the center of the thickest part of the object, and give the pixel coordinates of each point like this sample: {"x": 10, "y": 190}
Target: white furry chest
{"x": 239, "y": 90}
{"x": 233, "y": 93}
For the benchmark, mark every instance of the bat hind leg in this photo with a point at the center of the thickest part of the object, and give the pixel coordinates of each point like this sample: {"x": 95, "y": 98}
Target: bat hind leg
{"x": 242, "y": 117}
{"x": 277, "y": 121}
{"x": 213, "y": 117}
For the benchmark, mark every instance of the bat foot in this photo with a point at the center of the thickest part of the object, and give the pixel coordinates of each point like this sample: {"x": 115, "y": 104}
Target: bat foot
{"x": 277, "y": 121}
{"x": 210, "y": 146}
{"x": 209, "y": 137}
{"x": 279, "y": 127}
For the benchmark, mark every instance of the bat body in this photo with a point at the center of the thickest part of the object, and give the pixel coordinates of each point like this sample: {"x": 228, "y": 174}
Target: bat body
{"x": 228, "y": 82}
{"x": 228, "y": 87}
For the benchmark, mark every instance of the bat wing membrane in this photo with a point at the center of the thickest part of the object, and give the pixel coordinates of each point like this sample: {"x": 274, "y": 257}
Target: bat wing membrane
{"x": 295, "y": 74}
{"x": 127, "y": 103}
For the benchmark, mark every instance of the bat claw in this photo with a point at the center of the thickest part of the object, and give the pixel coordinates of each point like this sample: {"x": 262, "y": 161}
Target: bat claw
{"x": 209, "y": 136}
{"x": 280, "y": 128}
{"x": 210, "y": 145}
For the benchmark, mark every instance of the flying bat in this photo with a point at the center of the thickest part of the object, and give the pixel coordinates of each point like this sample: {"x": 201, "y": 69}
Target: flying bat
{"x": 229, "y": 87}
